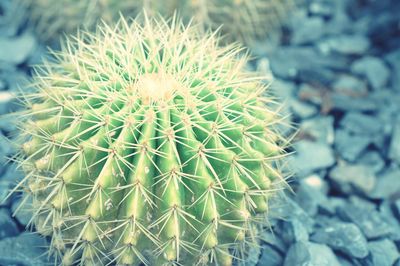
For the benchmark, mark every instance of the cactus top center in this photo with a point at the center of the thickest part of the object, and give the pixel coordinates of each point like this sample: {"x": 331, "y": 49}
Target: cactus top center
{"x": 156, "y": 87}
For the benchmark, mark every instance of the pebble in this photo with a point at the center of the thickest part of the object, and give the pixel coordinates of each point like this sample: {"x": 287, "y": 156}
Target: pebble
{"x": 310, "y": 254}
{"x": 302, "y": 109}
{"x": 311, "y": 156}
{"x": 270, "y": 257}
{"x": 387, "y": 185}
{"x": 8, "y": 227}
{"x": 394, "y": 60}
{"x": 359, "y": 176}
{"x": 22, "y": 214}
{"x": 312, "y": 199}
{"x": 389, "y": 215}
{"x": 318, "y": 129}
{"x": 7, "y": 100}
{"x": 27, "y": 249}
{"x": 253, "y": 255}
{"x": 369, "y": 221}
{"x": 345, "y": 44}
{"x": 350, "y": 85}
{"x": 17, "y": 50}
{"x": 361, "y": 124}
{"x": 307, "y": 29}
{"x": 5, "y": 187}
{"x": 374, "y": 69}
{"x": 350, "y": 146}
{"x": 372, "y": 160}
{"x": 293, "y": 231}
{"x": 383, "y": 253}
{"x": 353, "y": 103}
{"x": 394, "y": 150}
{"x": 344, "y": 237}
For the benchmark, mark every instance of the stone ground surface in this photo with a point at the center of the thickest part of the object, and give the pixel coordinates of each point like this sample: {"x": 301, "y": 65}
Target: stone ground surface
{"x": 338, "y": 71}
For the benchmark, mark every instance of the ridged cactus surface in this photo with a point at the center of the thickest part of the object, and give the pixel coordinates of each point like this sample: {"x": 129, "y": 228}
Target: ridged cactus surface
{"x": 148, "y": 143}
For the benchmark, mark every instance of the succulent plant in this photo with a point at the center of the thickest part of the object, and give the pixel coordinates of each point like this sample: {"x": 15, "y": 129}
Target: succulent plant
{"x": 149, "y": 143}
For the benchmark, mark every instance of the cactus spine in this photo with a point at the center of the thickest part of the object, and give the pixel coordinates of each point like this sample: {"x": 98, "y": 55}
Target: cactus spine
{"x": 147, "y": 143}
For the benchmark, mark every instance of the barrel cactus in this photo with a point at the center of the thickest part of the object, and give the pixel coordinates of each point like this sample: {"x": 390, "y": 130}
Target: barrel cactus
{"x": 147, "y": 143}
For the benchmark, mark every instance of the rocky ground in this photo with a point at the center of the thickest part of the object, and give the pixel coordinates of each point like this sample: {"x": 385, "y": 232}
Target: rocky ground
{"x": 338, "y": 70}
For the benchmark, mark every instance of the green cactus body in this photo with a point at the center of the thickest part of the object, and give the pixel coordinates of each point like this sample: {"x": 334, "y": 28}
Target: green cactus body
{"x": 146, "y": 143}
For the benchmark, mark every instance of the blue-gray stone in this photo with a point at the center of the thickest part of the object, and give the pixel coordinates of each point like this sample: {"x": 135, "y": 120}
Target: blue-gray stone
{"x": 306, "y": 29}
{"x": 310, "y": 94}
{"x": 310, "y": 254}
{"x": 369, "y": 221}
{"x": 26, "y": 249}
{"x": 321, "y": 8}
{"x": 273, "y": 240}
{"x": 5, "y": 187}
{"x": 311, "y": 156}
{"x": 17, "y": 50}
{"x": 372, "y": 160}
{"x": 23, "y": 213}
{"x": 319, "y": 129}
{"x": 7, "y": 102}
{"x": 387, "y": 185}
{"x": 362, "y": 124}
{"x": 389, "y": 215}
{"x": 270, "y": 257}
{"x": 350, "y": 85}
{"x": 284, "y": 90}
{"x": 345, "y": 44}
{"x": 8, "y": 227}
{"x": 394, "y": 60}
{"x": 394, "y": 150}
{"x": 312, "y": 199}
{"x": 383, "y": 253}
{"x": 302, "y": 109}
{"x": 374, "y": 69}
{"x": 345, "y": 237}
{"x": 358, "y": 176}
{"x": 293, "y": 231}
{"x": 350, "y": 146}
{"x": 253, "y": 255}
{"x": 351, "y": 103}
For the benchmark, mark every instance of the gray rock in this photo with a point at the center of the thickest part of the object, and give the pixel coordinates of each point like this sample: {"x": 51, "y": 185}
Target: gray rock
{"x": 389, "y": 216}
{"x": 307, "y": 29}
{"x": 5, "y": 187}
{"x": 7, "y": 102}
{"x": 345, "y": 44}
{"x": 7, "y": 226}
{"x": 270, "y": 257}
{"x": 361, "y": 124}
{"x": 351, "y": 103}
{"x": 310, "y": 94}
{"x": 273, "y": 240}
{"x": 350, "y": 146}
{"x": 359, "y": 176}
{"x": 345, "y": 237}
{"x": 383, "y": 253}
{"x": 253, "y": 255}
{"x": 387, "y": 185}
{"x": 350, "y": 85}
{"x": 26, "y": 249}
{"x": 310, "y": 254}
{"x": 17, "y": 50}
{"x": 394, "y": 150}
{"x": 372, "y": 160}
{"x": 374, "y": 69}
{"x": 302, "y": 109}
{"x": 293, "y": 231}
{"x": 319, "y": 129}
{"x": 311, "y": 156}
{"x": 394, "y": 60}
{"x": 312, "y": 199}
{"x": 369, "y": 221}
{"x": 22, "y": 213}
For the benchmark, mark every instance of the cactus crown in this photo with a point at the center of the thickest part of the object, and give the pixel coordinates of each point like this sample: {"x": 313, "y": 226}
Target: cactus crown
{"x": 148, "y": 143}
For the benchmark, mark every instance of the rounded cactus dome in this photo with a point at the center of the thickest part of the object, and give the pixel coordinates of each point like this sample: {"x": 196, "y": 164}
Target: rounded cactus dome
{"x": 147, "y": 143}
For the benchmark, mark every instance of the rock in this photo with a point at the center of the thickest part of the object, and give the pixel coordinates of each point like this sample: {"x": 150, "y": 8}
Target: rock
{"x": 310, "y": 254}
{"x": 290, "y": 62}
{"x": 24, "y": 213}
{"x": 374, "y": 69}
{"x": 344, "y": 237}
{"x": 321, "y": 8}
{"x": 350, "y": 103}
{"x": 7, "y": 100}
{"x": 383, "y": 253}
{"x": 271, "y": 239}
{"x": 350, "y": 85}
{"x": 361, "y": 124}
{"x": 359, "y": 176}
{"x": 369, "y": 221}
{"x": 253, "y": 255}
{"x": 270, "y": 257}
{"x": 26, "y": 249}
{"x": 315, "y": 182}
{"x": 293, "y": 231}
{"x": 312, "y": 199}
{"x": 303, "y": 110}
{"x": 394, "y": 150}
{"x": 7, "y": 226}
{"x": 394, "y": 60}
{"x": 389, "y": 216}
{"x": 387, "y": 185}
{"x": 5, "y": 187}
{"x": 307, "y": 29}
{"x": 345, "y": 44}
{"x": 17, "y": 50}
{"x": 350, "y": 146}
{"x": 318, "y": 129}
{"x": 372, "y": 160}
{"x": 311, "y": 94}
{"x": 284, "y": 90}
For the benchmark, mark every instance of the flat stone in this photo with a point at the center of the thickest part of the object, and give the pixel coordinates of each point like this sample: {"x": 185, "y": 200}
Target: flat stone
{"x": 307, "y": 29}
{"x": 344, "y": 237}
{"x": 26, "y": 249}
{"x": 361, "y": 124}
{"x": 350, "y": 146}
{"x": 271, "y": 239}
{"x": 8, "y": 227}
{"x": 394, "y": 150}
{"x": 310, "y": 254}
{"x": 345, "y": 44}
{"x": 350, "y": 85}
{"x": 369, "y": 221}
{"x": 22, "y": 213}
{"x": 311, "y": 156}
{"x": 293, "y": 231}
{"x": 394, "y": 60}
{"x": 389, "y": 215}
{"x": 270, "y": 257}
{"x": 359, "y": 176}
{"x": 374, "y": 69}
{"x": 318, "y": 129}
{"x": 17, "y": 50}
{"x": 312, "y": 199}
{"x": 353, "y": 103}
{"x": 372, "y": 160}
{"x": 302, "y": 109}
{"x": 383, "y": 253}
{"x": 387, "y": 185}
